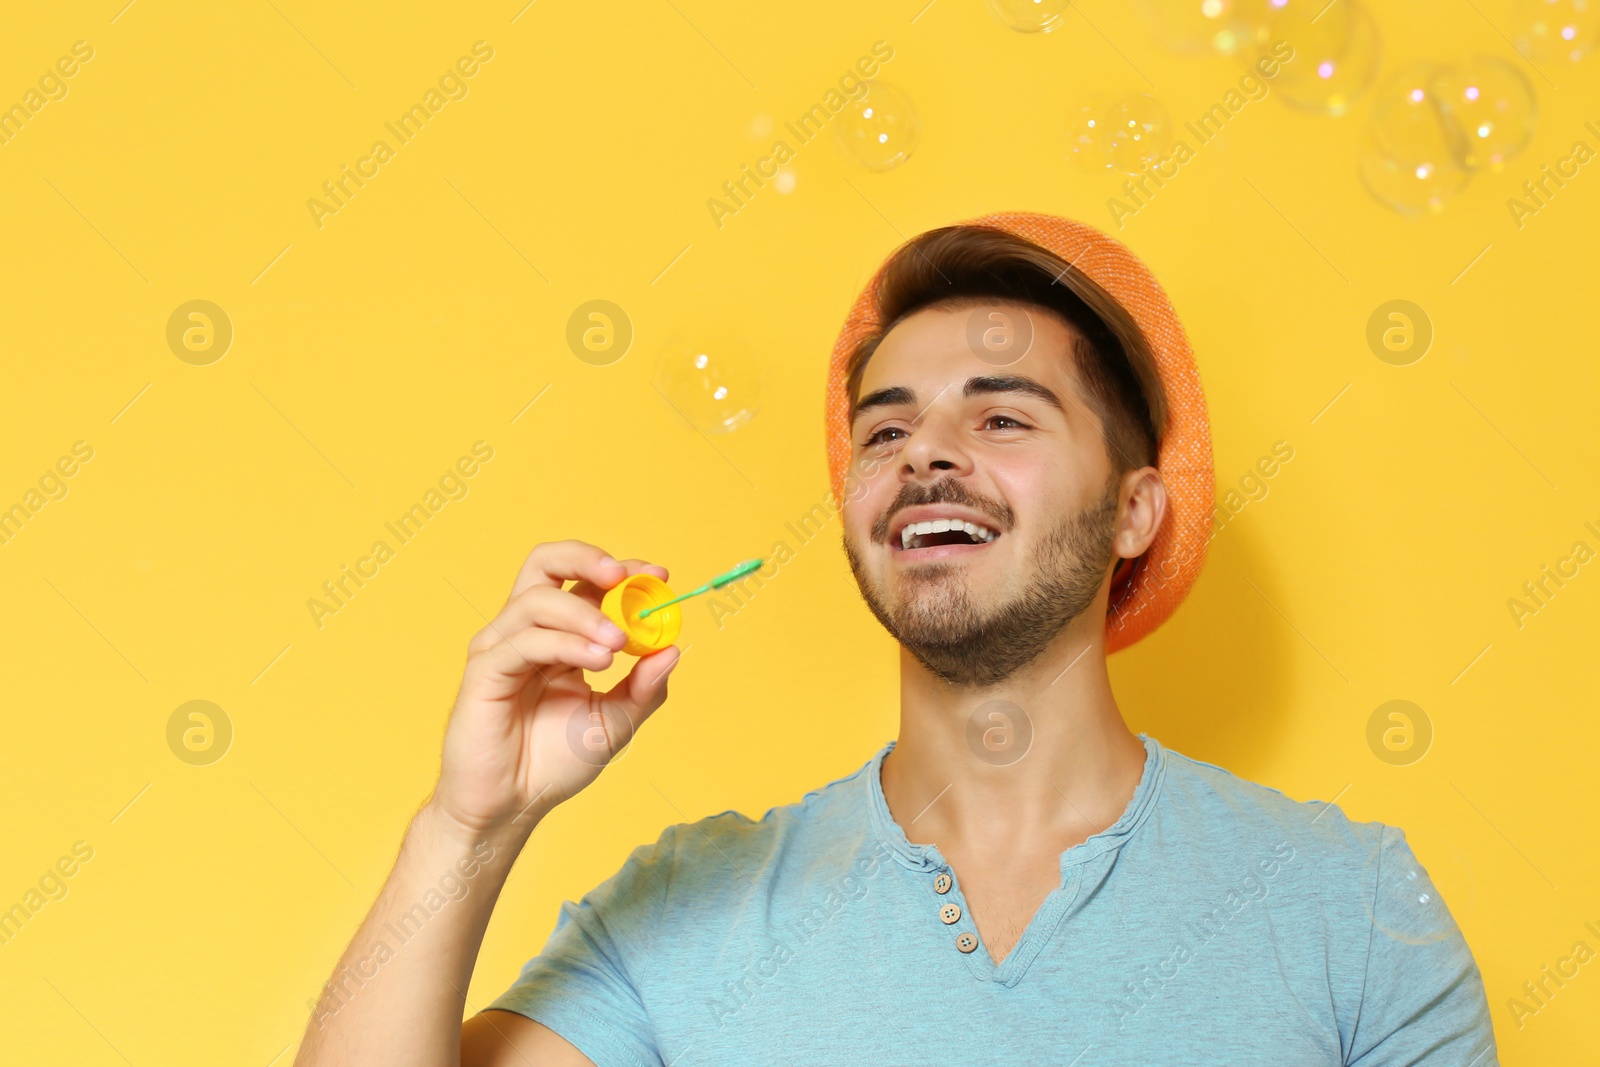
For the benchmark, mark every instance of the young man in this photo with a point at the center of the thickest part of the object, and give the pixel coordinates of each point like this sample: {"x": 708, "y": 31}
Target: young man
{"x": 1018, "y": 442}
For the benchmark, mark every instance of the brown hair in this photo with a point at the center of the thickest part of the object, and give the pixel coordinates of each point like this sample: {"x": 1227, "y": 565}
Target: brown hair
{"x": 956, "y": 265}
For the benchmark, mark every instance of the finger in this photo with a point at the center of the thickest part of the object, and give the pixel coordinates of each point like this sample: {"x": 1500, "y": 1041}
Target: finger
{"x": 556, "y": 562}
{"x": 550, "y": 609}
{"x": 645, "y": 688}
{"x": 531, "y": 656}
{"x": 594, "y": 593}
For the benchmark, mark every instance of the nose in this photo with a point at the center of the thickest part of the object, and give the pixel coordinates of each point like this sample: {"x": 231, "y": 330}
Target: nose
{"x": 935, "y": 448}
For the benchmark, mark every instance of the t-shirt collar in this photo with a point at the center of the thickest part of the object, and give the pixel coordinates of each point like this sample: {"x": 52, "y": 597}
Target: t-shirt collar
{"x": 926, "y": 857}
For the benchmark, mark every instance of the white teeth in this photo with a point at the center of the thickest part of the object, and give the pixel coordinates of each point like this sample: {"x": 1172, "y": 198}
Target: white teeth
{"x": 911, "y": 531}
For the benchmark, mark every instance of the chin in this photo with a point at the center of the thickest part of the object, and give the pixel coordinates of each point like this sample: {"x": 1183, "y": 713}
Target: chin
{"x": 977, "y": 629}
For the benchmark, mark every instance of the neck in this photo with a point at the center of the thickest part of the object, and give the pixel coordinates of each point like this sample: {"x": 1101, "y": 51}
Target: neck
{"x": 1042, "y": 758}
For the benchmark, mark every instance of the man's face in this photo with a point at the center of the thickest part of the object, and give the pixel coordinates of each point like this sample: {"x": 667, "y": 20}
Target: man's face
{"x": 943, "y": 435}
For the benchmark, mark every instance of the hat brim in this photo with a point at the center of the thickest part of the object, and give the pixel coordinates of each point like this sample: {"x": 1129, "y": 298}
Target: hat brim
{"x": 1164, "y": 574}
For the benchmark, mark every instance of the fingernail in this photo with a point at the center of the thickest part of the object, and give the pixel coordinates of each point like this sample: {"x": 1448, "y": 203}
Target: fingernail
{"x": 607, "y": 561}
{"x": 598, "y": 649}
{"x": 677, "y": 658}
{"x": 610, "y": 631}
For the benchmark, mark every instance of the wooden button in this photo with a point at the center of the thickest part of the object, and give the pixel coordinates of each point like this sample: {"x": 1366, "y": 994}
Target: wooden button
{"x": 941, "y": 884}
{"x": 966, "y": 942}
{"x": 950, "y": 913}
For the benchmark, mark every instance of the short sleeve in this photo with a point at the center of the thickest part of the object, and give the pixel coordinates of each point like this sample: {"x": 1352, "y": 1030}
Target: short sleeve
{"x": 581, "y": 985}
{"x": 1423, "y": 1000}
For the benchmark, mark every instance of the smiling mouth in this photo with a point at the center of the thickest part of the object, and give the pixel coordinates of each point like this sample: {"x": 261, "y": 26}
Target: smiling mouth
{"x": 944, "y": 532}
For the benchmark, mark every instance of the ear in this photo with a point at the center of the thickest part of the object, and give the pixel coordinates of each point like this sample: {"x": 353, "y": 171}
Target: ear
{"x": 1139, "y": 518}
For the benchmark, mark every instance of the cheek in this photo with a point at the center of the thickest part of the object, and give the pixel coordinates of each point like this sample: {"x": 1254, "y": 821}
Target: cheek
{"x": 1041, "y": 493}
{"x": 860, "y": 510}
{"x": 1029, "y": 484}
{"x": 869, "y": 488}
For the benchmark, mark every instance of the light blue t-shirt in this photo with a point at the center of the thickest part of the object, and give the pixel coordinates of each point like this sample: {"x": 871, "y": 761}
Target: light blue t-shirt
{"x": 1216, "y": 922}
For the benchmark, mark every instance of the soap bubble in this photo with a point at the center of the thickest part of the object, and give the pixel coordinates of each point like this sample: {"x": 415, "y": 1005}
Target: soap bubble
{"x": 1030, "y": 16}
{"x": 1433, "y": 125}
{"x": 1085, "y": 133}
{"x": 1335, "y": 52}
{"x": 881, "y": 129}
{"x": 1126, "y": 133}
{"x": 1493, "y": 109}
{"x": 716, "y": 387}
{"x": 1411, "y": 160}
{"x": 1138, "y": 132}
{"x": 1205, "y": 26}
{"x": 1557, "y": 29}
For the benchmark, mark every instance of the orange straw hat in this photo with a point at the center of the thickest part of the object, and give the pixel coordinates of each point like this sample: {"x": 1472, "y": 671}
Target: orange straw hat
{"x": 1159, "y": 581}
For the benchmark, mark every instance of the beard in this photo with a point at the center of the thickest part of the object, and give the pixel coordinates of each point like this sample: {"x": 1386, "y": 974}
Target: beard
{"x": 936, "y": 619}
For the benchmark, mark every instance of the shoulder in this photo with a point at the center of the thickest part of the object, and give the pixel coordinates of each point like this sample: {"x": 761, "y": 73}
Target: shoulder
{"x": 1362, "y": 907}
{"x": 1230, "y": 815}
{"x": 1306, "y": 860}
{"x": 730, "y": 851}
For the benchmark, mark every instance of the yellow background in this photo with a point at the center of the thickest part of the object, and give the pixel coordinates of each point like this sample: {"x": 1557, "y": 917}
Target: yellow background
{"x": 378, "y": 348}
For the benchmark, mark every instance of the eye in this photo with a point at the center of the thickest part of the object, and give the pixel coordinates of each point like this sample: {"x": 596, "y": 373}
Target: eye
{"x": 879, "y": 438}
{"x": 1015, "y": 423}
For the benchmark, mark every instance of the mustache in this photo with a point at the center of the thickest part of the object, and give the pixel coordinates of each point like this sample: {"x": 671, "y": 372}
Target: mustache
{"x": 945, "y": 491}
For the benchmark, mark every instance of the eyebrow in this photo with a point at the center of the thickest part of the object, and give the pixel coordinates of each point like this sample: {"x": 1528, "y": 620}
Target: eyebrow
{"x": 1003, "y": 383}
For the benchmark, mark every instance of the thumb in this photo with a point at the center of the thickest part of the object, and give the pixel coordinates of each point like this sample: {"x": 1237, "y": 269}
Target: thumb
{"x": 645, "y": 688}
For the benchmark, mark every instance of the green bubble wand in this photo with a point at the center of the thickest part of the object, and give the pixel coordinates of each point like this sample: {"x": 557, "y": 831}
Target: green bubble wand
{"x": 747, "y": 567}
